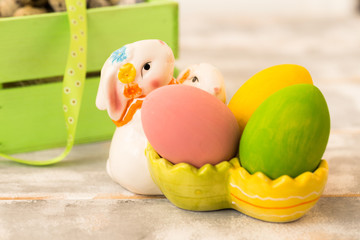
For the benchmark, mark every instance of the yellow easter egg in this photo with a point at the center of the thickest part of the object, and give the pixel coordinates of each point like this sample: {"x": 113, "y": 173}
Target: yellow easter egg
{"x": 263, "y": 84}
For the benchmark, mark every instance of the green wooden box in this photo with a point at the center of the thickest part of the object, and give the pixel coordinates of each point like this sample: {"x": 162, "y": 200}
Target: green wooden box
{"x": 36, "y": 47}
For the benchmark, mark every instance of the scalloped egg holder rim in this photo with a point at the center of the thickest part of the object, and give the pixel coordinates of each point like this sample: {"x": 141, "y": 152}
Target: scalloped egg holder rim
{"x": 284, "y": 199}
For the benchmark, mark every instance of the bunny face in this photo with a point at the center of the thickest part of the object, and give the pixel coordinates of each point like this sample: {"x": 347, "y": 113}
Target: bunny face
{"x": 206, "y": 77}
{"x": 133, "y": 71}
{"x": 154, "y": 62}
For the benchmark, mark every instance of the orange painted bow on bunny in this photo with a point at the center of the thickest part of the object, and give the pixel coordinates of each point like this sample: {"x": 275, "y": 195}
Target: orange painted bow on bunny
{"x": 132, "y": 91}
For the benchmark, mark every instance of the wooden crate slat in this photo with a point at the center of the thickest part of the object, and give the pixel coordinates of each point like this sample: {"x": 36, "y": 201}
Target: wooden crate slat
{"x": 36, "y": 46}
{"x": 31, "y": 118}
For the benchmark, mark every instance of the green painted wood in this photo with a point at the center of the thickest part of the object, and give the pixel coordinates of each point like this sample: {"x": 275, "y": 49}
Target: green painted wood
{"x": 31, "y": 118}
{"x": 36, "y": 46}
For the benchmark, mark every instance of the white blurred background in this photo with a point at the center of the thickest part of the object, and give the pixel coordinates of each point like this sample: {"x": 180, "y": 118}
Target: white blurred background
{"x": 243, "y": 37}
{"x": 289, "y": 8}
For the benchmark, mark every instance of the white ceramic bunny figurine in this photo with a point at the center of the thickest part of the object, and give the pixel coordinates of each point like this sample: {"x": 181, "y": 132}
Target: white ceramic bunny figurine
{"x": 206, "y": 77}
{"x": 128, "y": 75}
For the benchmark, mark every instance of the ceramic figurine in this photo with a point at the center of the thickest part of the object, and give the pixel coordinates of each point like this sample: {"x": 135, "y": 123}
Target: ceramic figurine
{"x": 279, "y": 173}
{"x": 206, "y": 77}
{"x": 128, "y": 75}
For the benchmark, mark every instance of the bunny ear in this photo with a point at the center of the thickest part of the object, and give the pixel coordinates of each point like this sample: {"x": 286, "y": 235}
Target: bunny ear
{"x": 184, "y": 75}
{"x": 110, "y": 96}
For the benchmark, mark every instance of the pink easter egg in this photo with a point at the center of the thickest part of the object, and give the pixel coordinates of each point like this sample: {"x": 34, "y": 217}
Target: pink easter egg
{"x": 185, "y": 124}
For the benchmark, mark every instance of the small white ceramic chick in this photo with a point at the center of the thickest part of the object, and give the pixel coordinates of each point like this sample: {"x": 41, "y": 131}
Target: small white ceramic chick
{"x": 206, "y": 77}
{"x": 128, "y": 75}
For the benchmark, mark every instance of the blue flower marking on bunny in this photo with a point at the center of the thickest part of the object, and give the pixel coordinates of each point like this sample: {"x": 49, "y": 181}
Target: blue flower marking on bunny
{"x": 119, "y": 55}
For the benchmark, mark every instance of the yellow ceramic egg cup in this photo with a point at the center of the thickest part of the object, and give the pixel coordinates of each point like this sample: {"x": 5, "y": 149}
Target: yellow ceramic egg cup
{"x": 228, "y": 185}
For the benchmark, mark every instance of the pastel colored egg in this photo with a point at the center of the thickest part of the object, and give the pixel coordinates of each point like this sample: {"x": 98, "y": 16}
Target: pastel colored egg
{"x": 185, "y": 124}
{"x": 287, "y": 134}
{"x": 260, "y": 86}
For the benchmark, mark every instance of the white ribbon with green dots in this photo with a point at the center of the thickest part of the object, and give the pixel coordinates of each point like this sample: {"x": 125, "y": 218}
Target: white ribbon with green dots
{"x": 74, "y": 78}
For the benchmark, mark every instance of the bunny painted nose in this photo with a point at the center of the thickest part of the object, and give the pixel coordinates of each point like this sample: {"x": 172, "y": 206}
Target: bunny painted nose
{"x": 127, "y": 73}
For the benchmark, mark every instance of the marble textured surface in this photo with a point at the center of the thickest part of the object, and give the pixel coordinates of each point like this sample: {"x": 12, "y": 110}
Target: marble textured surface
{"x": 75, "y": 199}
{"x": 157, "y": 219}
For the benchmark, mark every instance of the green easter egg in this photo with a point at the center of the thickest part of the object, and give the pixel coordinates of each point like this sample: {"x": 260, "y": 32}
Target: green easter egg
{"x": 287, "y": 134}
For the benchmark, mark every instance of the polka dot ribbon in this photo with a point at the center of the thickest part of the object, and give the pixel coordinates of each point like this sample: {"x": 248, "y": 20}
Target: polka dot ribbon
{"x": 74, "y": 78}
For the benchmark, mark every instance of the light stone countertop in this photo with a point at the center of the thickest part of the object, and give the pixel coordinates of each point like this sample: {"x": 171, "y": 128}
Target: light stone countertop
{"x": 75, "y": 199}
